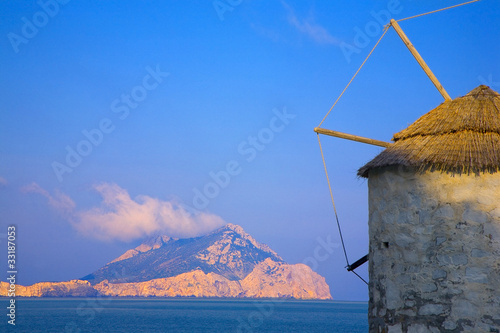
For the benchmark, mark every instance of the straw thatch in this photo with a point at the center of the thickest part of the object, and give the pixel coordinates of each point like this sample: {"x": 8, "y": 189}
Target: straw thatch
{"x": 459, "y": 136}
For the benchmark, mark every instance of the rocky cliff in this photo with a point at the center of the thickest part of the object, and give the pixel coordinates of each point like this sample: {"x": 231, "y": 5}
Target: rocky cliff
{"x": 76, "y": 288}
{"x": 225, "y": 263}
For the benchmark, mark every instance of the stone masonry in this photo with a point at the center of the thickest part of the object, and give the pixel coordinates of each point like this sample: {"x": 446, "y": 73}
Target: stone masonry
{"x": 434, "y": 251}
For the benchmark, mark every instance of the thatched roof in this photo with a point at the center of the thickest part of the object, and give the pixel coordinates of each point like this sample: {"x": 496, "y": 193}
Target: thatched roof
{"x": 459, "y": 136}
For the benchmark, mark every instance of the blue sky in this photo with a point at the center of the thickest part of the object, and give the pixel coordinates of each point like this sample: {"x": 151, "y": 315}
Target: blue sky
{"x": 164, "y": 100}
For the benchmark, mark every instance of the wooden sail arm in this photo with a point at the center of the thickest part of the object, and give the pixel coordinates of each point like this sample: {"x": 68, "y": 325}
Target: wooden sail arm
{"x": 352, "y": 137}
{"x": 419, "y": 59}
{"x": 358, "y": 263}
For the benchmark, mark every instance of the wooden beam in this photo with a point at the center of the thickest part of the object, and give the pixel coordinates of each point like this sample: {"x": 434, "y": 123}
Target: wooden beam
{"x": 358, "y": 263}
{"x": 352, "y": 137}
{"x": 420, "y": 60}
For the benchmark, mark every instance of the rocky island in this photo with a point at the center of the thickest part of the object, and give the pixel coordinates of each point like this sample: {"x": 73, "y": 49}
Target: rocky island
{"x": 227, "y": 262}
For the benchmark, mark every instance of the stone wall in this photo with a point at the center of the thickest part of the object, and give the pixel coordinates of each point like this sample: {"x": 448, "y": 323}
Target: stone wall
{"x": 434, "y": 251}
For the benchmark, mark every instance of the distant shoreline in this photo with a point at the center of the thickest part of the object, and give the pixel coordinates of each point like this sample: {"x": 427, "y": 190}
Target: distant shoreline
{"x": 190, "y": 298}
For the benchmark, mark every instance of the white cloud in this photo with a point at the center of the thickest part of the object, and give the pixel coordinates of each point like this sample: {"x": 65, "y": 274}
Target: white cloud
{"x": 60, "y": 201}
{"x": 119, "y": 217}
{"x": 310, "y": 28}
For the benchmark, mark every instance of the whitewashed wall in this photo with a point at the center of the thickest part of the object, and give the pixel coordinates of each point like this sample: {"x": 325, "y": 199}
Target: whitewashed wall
{"x": 434, "y": 251}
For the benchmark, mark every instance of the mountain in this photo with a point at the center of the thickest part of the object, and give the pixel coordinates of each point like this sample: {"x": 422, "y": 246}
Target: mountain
{"x": 268, "y": 279}
{"x": 225, "y": 263}
{"x": 228, "y": 251}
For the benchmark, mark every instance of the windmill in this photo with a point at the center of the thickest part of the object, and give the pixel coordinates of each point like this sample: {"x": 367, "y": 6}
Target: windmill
{"x": 323, "y": 131}
{"x": 434, "y": 224}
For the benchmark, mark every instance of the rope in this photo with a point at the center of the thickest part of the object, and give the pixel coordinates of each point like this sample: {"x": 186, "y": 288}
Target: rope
{"x": 333, "y": 201}
{"x": 335, "y": 209}
{"x": 360, "y": 277}
{"x": 369, "y": 54}
{"x": 343, "y": 91}
{"x": 438, "y": 10}
{"x": 386, "y": 28}
{"x": 323, "y": 156}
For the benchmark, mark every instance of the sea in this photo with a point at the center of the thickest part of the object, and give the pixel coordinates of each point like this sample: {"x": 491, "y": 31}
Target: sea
{"x": 184, "y": 315}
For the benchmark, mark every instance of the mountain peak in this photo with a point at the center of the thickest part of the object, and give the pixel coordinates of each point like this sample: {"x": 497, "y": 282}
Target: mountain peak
{"x": 154, "y": 243}
{"x": 234, "y": 227}
{"x": 228, "y": 251}
{"x": 151, "y": 243}
{"x": 239, "y": 231}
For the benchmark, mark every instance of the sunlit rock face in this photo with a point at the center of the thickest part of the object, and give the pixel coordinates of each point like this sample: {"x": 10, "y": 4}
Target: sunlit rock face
{"x": 268, "y": 279}
{"x": 434, "y": 251}
{"x": 225, "y": 263}
{"x": 75, "y": 288}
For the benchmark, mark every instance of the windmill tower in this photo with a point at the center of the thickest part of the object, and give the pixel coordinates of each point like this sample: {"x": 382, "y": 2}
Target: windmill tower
{"x": 434, "y": 221}
{"x": 434, "y": 215}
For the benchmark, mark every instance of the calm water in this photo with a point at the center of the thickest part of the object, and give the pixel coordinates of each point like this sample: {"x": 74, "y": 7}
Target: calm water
{"x": 185, "y": 315}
